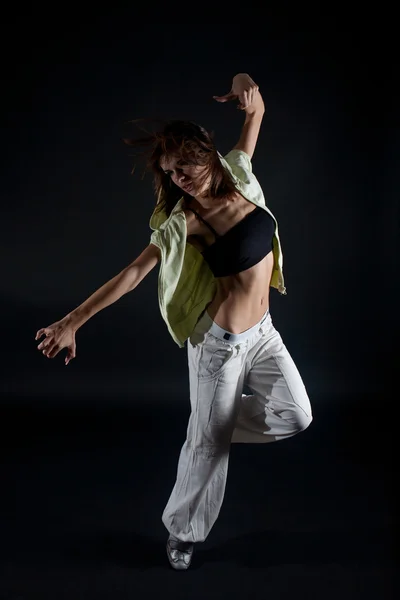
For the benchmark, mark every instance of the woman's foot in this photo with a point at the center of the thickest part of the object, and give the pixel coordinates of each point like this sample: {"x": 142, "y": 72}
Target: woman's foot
{"x": 179, "y": 553}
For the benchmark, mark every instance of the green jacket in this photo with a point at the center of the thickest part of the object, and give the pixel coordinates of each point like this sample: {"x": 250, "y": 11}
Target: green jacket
{"x": 185, "y": 282}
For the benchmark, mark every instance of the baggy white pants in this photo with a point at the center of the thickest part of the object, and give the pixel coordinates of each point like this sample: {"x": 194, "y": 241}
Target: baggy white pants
{"x": 220, "y": 414}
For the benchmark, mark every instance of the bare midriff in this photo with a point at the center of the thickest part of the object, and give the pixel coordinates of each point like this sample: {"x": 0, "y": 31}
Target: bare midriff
{"x": 240, "y": 300}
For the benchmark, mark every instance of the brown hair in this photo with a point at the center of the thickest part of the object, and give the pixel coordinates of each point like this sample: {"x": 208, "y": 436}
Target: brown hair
{"x": 193, "y": 145}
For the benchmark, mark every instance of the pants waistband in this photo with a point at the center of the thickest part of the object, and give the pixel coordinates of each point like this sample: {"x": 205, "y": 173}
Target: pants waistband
{"x": 223, "y": 334}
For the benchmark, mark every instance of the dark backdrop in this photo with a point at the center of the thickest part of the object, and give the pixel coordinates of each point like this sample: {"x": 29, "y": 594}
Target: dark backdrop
{"x": 73, "y": 217}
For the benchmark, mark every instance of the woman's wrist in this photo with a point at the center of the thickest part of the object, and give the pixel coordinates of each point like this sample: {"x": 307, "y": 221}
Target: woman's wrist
{"x": 257, "y": 106}
{"x": 76, "y": 318}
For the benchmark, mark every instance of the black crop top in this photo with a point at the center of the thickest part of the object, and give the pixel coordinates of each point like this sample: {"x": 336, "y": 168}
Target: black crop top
{"x": 242, "y": 246}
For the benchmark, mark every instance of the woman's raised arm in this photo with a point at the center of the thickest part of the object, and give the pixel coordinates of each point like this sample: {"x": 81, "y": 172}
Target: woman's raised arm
{"x": 250, "y": 100}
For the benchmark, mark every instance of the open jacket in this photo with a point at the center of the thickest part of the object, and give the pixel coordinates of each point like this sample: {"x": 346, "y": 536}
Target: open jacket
{"x": 186, "y": 283}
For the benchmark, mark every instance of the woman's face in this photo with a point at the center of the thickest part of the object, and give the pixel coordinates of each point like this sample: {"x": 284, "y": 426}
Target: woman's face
{"x": 190, "y": 178}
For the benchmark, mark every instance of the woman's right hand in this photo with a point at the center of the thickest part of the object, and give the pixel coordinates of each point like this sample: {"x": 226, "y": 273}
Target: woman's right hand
{"x": 59, "y": 335}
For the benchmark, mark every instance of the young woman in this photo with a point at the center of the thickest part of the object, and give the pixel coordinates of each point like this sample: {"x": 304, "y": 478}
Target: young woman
{"x": 219, "y": 252}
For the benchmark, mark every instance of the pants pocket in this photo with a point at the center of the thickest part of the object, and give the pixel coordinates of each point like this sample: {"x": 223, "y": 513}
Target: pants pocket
{"x": 214, "y": 358}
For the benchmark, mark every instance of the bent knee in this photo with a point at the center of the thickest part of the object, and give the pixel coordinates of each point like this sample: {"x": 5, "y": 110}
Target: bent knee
{"x": 303, "y": 420}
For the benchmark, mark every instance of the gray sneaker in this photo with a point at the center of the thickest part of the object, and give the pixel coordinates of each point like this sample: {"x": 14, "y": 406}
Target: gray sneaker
{"x": 179, "y": 553}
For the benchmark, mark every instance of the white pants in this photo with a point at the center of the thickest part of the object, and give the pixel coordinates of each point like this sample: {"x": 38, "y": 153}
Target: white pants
{"x": 220, "y": 414}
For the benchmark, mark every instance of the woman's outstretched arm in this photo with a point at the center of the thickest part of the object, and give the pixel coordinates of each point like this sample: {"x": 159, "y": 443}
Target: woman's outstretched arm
{"x": 61, "y": 334}
{"x": 126, "y": 281}
{"x": 250, "y": 100}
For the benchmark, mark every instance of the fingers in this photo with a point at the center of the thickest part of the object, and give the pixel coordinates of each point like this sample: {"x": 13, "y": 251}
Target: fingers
{"x": 50, "y": 348}
{"x": 254, "y": 91}
{"x": 40, "y": 333}
{"x": 47, "y": 346}
{"x": 225, "y": 98}
{"x": 45, "y": 343}
{"x": 53, "y": 351}
{"x": 71, "y": 354}
{"x": 41, "y": 345}
{"x": 251, "y": 95}
{"x": 247, "y": 97}
{"x": 244, "y": 100}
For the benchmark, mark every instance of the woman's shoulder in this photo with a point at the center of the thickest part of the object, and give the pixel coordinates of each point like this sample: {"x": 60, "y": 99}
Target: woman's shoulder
{"x": 237, "y": 160}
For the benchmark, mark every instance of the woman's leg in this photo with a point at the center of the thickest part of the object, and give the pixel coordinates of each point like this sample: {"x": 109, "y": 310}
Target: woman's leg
{"x": 279, "y": 406}
{"x": 216, "y": 377}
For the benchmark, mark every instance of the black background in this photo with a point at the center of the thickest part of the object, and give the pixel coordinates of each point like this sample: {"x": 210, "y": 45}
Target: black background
{"x": 90, "y": 449}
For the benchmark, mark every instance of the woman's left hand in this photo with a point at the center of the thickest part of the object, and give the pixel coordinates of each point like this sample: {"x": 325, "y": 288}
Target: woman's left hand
{"x": 243, "y": 88}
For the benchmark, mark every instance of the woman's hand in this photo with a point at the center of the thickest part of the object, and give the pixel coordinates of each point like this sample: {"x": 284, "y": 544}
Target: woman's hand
{"x": 59, "y": 335}
{"x": 246, "y": 90}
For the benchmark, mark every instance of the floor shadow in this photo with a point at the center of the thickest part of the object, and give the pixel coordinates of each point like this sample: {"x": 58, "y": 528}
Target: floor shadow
{"x": 253, "y": 550}
{"x": 267, "y": 548}
{"x": 125, "y": 549}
